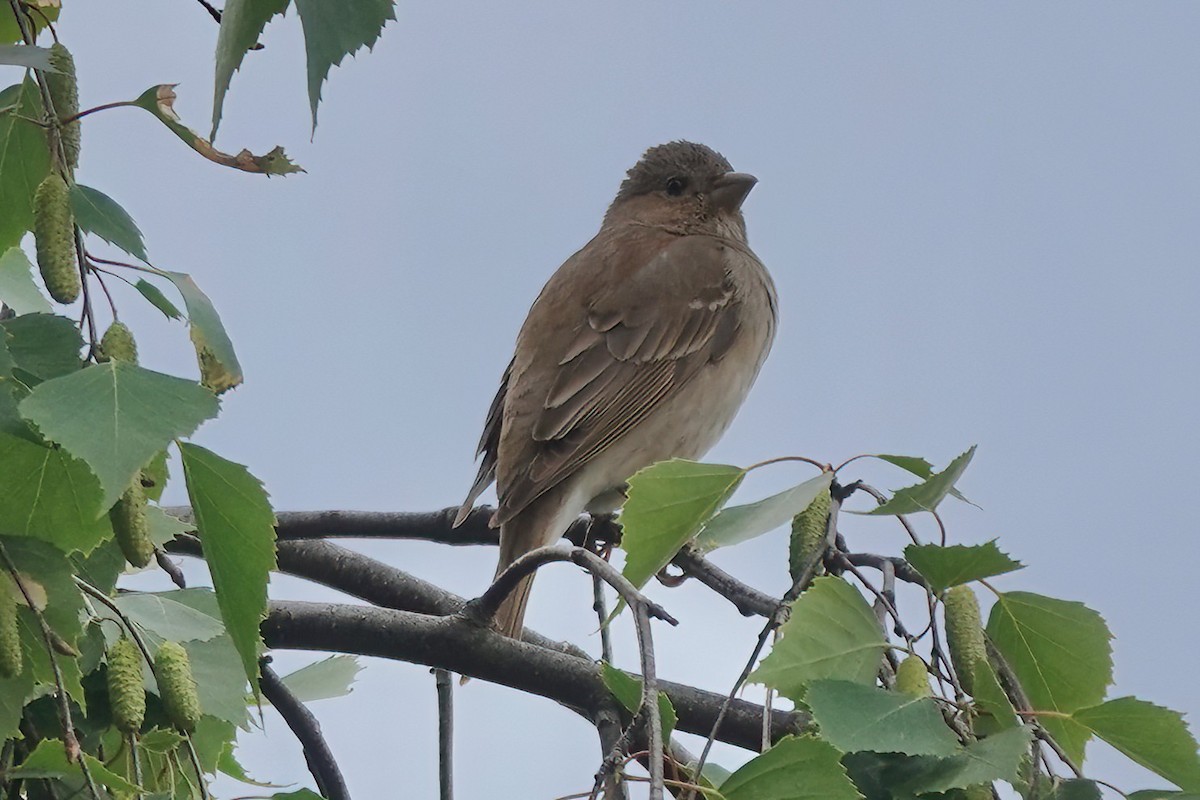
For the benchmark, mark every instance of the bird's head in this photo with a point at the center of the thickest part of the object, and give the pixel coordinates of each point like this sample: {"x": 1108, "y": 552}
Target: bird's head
{"x": 684, "y": 187}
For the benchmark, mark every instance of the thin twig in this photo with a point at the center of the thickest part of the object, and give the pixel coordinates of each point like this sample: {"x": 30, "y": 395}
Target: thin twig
{"x": 483, "y": 609}
{"x": 881, "y": 498}
{"x": 85, "y": 112}
{"x": 194, "y": 757}
{"x": 445, "y": 700}
{"x": 307, "y": 730}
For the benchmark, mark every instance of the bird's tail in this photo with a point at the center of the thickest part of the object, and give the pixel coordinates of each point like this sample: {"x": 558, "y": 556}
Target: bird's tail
{"x": 510, "y": 617}
{"x": 540, "y": 523}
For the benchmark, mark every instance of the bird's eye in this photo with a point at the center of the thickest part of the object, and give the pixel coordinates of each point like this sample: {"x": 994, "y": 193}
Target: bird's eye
{"x": 675, "y": 186}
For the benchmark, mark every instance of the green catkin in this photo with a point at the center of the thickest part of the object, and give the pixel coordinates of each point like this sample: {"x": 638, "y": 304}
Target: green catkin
{"x": 913, "y": 678}
{"x": 176, "y": 686}
{"x": 132, "y": 528}
{"x": 117, "y": 344}
{"x": 964, "y": 634}
{"x": 54, "y": 236}
{"x": 64, "y": 94}
{"x": 126, "y": 692}
{"x": 808, "y": 533}
{"x": 11, "y": 658}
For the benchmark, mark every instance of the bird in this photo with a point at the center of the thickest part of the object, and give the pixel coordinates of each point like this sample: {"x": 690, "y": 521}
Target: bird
{"x": 640, "y": 348}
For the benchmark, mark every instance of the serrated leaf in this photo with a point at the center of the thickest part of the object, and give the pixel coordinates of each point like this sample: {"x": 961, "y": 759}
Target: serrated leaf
{"x": 157, "y": 299}
{"x": 17, "y": 288}
{"x": 27, "y": 56}
{"x": 1162, "y": 794}
{"x": 946, "y": 566}
{"x": 117, "y": 416}
{"x": 242, "y": 22}
{"x": 996, "y": 758}
{"x": 160, "y": 102}
{"x": 24, "y": 159}
{"x": 1075, "y": 789}
{"x": 926, "y": 496}
{"x": 854, "y": 717}
{"x": 43, "y": 346}
{"x": 628, "y": 691}
{"x": 299, "y": 794}
{"x": 990, "y": 697}
{"x": 164, "y": 527}
{"x": 49, "y": 496}
{"x": 736, "y": 524}
{"x": 668, "y": 503}
{"x": 332, "y": 32}
{"x": 325, "y": 679}
{"x": 796, "y": 768}
{"x": 832, "y": 633}
{"x": 919, "y": 467}
{"x": 237, "y": 532}
{"x": 99, "y": 214}
{"x": 207, "y": 332}
{"x": 166, "y": 617}
{"x": 1060, "y": 652}
{"x": 1153, "y": 736}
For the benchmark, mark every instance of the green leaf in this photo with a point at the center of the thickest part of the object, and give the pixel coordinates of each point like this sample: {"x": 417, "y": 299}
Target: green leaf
{"x": 323, "y": 680}
{"x": 97, "y": 213}
{"x": 208, "y": 334}
{"x": 1060, "y": 652}
{"x": 10, "y": 32}
{"x": 164, "y": 527}
{"x": 668, "y": 503}
{"x": 28, "y": 56}
{"x": 832, "y": 633}
{"x": 796, "y": 768}
{"x": 17, "y": 287}
{"x": 49, "y": 760}
{"x": 952, "y": 565}
{"x": 736, "y": 524}
{"x": 237, "y": 532}
{"x": 856, "y": 717}
{"x": 157, "y": 298}
{"x": 117, "y": 416}
{"x": 14, "y": 694}
{"x": 1075, "y": 789}
{"x": 919, "y": 467}
{"x": 242, "y": 22}
{"x": 43, "y": 346}
{"x": 990, "y": 697}
{"x": 168, "y": 618}
{"x": 1153, "y": 736}
{"x": 24, "y": 159}
{"x": 49, "y": 496}
{"x": 299, "y": 794}
{"x": 926, "y": 495}
{"x": 1162, "y": 794}
{"x": 996, "y": 758}
{"x": 160, "y": 102}
{"x": 628, "y": 691}
{"x": 332, "y": 32}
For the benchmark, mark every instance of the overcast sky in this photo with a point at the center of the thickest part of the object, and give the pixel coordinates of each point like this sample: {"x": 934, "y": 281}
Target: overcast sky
{"x": 983, "y": 221}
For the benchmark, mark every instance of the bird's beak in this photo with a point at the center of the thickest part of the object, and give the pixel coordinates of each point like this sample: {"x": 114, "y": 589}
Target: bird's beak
{"x": 731, "y": 189}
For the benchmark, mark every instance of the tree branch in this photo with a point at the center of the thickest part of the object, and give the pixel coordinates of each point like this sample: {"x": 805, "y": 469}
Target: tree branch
{"x": 454, "y": 644}
{"x": 307, "y": 729}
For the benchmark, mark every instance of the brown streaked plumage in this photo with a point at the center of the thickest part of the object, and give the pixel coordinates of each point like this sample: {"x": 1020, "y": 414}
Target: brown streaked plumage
{"x": 640, "y": 348}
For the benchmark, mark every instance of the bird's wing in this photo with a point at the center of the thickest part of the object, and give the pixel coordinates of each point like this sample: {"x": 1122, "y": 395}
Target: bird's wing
{"x": 489, "y": 443}
{"x": 644, "y": 338}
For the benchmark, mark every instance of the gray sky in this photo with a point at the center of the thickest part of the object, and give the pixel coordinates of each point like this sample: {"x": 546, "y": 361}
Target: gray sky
{"x": 982, "y": 221}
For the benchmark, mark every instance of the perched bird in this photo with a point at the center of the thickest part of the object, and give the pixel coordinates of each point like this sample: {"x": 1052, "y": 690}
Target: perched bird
{"x": 640, "y": 348}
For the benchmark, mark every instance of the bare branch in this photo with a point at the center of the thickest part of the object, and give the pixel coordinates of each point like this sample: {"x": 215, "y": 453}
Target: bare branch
{"x": 445, "y": 700}
{"x": 459, "y": 646}
{"x": 307, "y": 729}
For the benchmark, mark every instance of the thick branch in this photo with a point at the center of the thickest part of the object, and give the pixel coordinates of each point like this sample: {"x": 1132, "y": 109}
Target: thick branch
{"x": 454, "y": 644}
